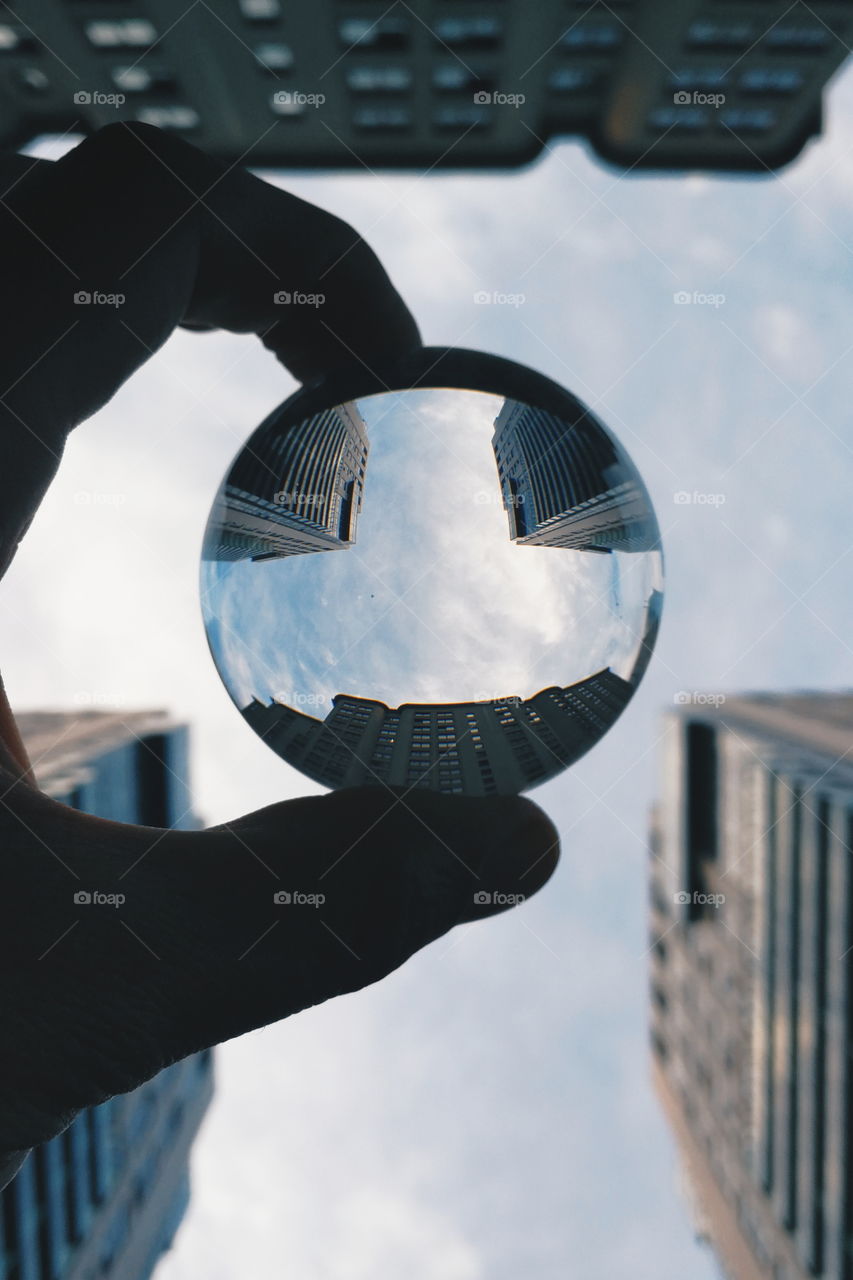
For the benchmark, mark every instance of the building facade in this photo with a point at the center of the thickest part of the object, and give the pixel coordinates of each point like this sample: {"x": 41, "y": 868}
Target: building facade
{"x": 474, "y": 748}
{"x": 105, "y": 1197}
{"x": 751, "y": 983}
{"x": 650, "y": 626}
{"x": 567, "y": 484}
{"x": 674, "y": 84}
{"x": 292, "y": 490}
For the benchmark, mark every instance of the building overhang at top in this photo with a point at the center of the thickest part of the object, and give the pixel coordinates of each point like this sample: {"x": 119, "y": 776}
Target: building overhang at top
{"x": 650, "y": 84}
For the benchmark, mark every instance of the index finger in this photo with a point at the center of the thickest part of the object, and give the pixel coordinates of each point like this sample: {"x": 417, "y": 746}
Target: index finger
{"x": 179, "y": 237}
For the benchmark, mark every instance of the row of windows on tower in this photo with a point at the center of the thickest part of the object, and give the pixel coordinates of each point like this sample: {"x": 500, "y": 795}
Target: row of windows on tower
{"x": 793, "y": 36}
{"x": 84, "y": 1164}
{"x": 392, "y": 34}
{"x": 592, "y": 39}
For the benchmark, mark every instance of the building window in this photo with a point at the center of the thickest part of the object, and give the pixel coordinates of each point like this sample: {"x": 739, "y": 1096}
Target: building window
{"x": 659, "y": 1045}
{"x": 153, "y": 776}
{"x": 701, "y": 761}
{"x": 114, "y": 1239}
{"x": 847, "y": 1121}
{"x": 39, "y": 1159}
{"x": 820, "y": 1012}
{"x": 792, "y": 1011}
{"x": 770, "y": 984}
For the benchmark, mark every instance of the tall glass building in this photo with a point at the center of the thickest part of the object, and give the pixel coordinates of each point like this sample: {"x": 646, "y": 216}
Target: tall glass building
{"x": 751, "y": 982}
{"x": 292, "y": 490}
{"x": 105, "y": 1198}
{"x": 477, "y": 748}
{"x": 567, "y": 484}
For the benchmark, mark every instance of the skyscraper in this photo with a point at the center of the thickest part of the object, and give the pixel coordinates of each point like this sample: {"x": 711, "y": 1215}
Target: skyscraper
{"x": 567, "y": 484}
{"x": 480, "y": 748}
{"x": 292, "y": 489}
{"x": 650, "y": 627}
{"x": 105, "y": 1198}
{"x": 675, "y": 84}
{"x": 751, "y": 978}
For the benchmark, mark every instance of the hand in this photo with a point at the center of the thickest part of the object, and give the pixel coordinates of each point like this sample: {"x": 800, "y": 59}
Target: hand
{"x": 199, "y": 951}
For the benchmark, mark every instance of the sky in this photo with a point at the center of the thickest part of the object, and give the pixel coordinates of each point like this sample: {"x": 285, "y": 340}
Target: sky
{"x": 486, "y": 1111}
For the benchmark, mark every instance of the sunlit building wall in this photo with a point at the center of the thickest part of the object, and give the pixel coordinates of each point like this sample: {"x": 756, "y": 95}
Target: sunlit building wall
{"x": 751, "y": 983}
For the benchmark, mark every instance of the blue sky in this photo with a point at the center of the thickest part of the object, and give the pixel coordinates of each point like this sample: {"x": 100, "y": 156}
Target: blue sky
{"x": 485, "y": 1111}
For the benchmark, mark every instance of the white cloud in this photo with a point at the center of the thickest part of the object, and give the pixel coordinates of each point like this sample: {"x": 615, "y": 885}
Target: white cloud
{"x": 785, "y": 337}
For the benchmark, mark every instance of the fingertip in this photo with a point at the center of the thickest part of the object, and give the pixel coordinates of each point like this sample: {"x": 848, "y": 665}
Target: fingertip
{"x": 363, "y": 323}
{"x": 333, "y": 350}
{"x": 520, "y": 854}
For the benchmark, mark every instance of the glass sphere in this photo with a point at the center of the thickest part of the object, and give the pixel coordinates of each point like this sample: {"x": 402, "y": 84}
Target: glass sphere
{"x": 440, "y": 640}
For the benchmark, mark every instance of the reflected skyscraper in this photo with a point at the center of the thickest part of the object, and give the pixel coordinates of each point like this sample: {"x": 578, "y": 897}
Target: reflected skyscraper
{"x": 651, "y": 627}
{"x": 478, "y": 748}
{"x": 751, "y": 979}
{"x": 297, "y": 489}
{"x": 565, "y": 484}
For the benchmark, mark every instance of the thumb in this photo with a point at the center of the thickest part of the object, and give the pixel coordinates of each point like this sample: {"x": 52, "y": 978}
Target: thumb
{"x": 214, "y": 933}
{"x": 481, "y": 857}
{"x": 393, "y": 871}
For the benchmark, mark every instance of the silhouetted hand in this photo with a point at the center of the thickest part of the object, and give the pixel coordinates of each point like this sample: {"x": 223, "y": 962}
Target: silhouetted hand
{"x": 94, "y": 1003}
